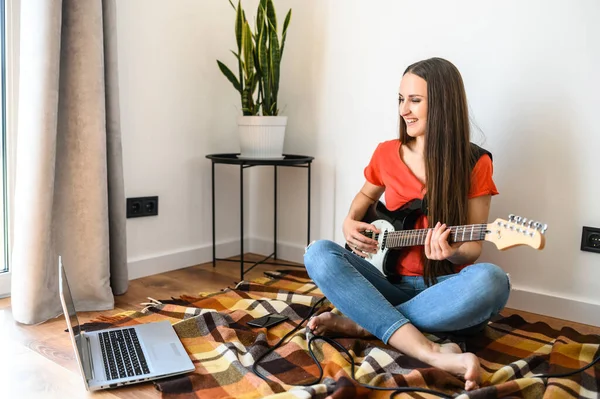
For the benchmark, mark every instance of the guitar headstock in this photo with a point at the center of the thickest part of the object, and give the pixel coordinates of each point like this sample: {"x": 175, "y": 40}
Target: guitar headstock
{"x": 516, "y": 231}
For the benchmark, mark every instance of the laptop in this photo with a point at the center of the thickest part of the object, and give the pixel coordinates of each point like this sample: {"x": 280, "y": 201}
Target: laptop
{"x": 121, "y": 356}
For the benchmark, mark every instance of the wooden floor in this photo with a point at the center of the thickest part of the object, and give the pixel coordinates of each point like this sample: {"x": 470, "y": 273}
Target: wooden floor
{"x": 38, "y": 361}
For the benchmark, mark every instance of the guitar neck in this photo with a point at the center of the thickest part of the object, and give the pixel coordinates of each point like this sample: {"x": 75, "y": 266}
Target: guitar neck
{"x": 408, "y": 238}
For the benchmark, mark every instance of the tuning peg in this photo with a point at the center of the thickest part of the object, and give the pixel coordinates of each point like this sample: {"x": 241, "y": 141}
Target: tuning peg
{"x": 518, "y": 219}
{"x": 523, "y": 221}
{"x": 511, "y": 217}
{"x": 544, "y": 228}
{"x": 530, "y": 223}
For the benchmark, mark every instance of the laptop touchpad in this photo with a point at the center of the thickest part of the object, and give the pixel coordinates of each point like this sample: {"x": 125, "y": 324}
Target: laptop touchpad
{"x": 165, "y": 351}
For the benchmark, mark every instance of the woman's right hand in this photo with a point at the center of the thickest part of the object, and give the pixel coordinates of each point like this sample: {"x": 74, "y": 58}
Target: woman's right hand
{"x": 356, "y": 240}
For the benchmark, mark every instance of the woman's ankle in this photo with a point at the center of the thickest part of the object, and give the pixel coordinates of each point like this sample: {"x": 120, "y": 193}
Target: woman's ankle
{"x": 430, "y": 352}
{"x": 410, "y": 341}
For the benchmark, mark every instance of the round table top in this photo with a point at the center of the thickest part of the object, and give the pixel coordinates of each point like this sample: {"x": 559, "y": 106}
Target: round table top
{"x": 234, "y": 158}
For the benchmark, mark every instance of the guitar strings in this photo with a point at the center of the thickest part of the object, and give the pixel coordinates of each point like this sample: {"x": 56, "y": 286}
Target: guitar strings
{"x": 474, "y": 232}
{"x": 453, "y": 229}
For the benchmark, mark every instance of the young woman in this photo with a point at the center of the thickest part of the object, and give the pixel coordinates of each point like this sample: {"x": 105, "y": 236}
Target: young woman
{"x": 440, "y": 289}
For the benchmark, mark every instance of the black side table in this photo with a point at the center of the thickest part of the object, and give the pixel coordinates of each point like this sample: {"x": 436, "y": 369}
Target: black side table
{"x": 299, "y": 161}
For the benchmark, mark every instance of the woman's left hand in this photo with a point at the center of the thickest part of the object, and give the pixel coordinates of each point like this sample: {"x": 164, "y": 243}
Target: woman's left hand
{"x": 436, "y": 243}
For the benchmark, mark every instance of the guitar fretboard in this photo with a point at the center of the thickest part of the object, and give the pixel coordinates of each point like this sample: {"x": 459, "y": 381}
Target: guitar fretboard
{"x": 408, "y": 238}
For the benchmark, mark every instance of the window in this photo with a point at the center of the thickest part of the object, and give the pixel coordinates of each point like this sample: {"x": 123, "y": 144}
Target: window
{"x": 3, "y": 219}
{"x": 8, "y": 9}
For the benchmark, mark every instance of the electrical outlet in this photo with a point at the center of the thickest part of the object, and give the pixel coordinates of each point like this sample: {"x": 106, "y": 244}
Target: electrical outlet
{"x": 590, "y": 239}
{"x": 142, "y": 206}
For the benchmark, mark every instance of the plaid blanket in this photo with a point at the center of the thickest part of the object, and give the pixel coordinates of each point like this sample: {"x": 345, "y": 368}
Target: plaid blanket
{"x": 212, "y": 328}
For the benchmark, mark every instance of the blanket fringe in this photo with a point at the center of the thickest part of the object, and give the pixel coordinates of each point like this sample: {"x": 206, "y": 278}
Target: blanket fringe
{"x": 152, "y": 304}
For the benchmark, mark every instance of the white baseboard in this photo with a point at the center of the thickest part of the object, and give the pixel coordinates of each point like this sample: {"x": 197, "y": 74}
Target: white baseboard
{"x": 160, "y": 263}
{"x": 165, "y": 262}
{"x": 554, "y": 306}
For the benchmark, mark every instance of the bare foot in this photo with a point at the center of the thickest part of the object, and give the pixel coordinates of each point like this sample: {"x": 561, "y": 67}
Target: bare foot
{"x": 328, "y": 322}
{"x": 449, "y": 357}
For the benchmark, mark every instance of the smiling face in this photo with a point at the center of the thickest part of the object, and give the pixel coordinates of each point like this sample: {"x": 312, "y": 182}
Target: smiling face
{"x": 413, "y": 104}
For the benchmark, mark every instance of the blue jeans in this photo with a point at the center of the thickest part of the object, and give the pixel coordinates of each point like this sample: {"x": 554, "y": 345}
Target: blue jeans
{"x": 459, "y": 302}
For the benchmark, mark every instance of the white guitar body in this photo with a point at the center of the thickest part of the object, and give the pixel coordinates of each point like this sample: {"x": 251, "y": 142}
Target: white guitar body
{"x": 378, "y": 259}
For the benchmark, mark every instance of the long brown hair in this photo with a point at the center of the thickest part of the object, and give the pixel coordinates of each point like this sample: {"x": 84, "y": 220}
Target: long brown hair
{"x": 447, "y": 150}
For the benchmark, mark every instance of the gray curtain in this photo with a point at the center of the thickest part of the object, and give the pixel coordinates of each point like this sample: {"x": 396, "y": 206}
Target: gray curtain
{"x": 69, "y": 194}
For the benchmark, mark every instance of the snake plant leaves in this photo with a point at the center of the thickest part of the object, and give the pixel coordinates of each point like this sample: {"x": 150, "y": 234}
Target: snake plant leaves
{"x": 260, "y": 18}
{"x": 274, "y": 63}
{"x": 271, "y": 15}
{"x": 230, "y": 76}
{"x": 288, "y": 17}
{"x": 260, "y": 38}
{"x": 263, "y": 67}
{"x": 239, "y": 24}
{"x": 259, "y": 58}
{"x": 247, "y": 51}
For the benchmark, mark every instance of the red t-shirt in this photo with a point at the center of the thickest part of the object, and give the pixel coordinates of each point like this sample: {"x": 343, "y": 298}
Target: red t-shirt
{"x": 387, "y": 169}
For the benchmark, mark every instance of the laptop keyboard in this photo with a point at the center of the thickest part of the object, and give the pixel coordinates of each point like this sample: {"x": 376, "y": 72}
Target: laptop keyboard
{"x": 122, "y": 354}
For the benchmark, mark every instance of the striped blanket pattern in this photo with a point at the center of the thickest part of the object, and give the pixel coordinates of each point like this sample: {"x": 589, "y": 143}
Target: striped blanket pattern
{"x": 212, "y": 328}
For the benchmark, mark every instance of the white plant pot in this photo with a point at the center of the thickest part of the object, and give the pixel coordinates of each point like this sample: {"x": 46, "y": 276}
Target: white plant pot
{"x": 261, "y": 137}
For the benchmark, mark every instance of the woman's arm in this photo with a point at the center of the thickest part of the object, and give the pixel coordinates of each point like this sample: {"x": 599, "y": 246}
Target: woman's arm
{"x": 436, "y": 243}
{"x": 353, "y": 227}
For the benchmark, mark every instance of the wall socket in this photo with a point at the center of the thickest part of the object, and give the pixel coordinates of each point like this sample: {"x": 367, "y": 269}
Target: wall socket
{"x": 142, "y": 206}
{"x": 590, "y": 239}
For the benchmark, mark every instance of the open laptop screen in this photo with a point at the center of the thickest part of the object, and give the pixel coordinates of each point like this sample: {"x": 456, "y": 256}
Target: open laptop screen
{"x": 73, "y": 321}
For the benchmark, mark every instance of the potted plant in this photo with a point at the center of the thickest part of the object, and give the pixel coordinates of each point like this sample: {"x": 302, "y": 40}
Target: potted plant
{"x": 261, "y": 128}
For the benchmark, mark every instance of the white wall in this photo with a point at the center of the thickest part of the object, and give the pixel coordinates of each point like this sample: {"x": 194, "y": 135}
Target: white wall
{"x": 176, "y": 108}
{"x": 530, "y": 74}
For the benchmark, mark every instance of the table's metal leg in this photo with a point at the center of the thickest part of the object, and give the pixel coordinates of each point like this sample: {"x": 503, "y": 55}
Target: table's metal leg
{"x": 241, "y": 222}
{"x": 275, "y": 213}
{"x": 214, "y": 253}
{"x": 308, "y": 224}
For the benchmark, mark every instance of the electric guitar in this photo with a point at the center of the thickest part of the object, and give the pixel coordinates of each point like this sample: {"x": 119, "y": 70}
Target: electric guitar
{"x": 397, "y": 233}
